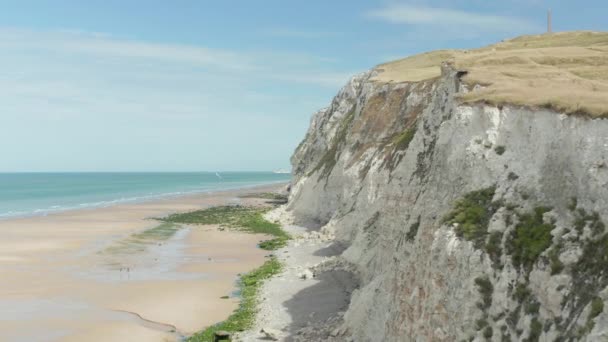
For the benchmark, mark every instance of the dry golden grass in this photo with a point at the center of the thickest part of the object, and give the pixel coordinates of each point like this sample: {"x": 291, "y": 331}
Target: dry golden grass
{"x": 415, "y": 68}
{"x": 567, "y": 72}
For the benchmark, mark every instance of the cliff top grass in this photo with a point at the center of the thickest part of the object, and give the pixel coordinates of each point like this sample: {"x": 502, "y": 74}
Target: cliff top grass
{"x": 565, "y": 72}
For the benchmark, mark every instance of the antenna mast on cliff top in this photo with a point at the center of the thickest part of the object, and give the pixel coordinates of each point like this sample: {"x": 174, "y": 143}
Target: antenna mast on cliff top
{"x": 549, "y": 28}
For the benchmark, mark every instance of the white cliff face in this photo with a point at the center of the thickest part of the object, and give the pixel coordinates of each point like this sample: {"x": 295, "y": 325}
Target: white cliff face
{"x": 385, "y": 164}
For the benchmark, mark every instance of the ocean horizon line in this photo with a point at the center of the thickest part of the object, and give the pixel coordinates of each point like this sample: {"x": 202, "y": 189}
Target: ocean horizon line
{"x": 39, "y": 194}
{"x": 71, "y": 172}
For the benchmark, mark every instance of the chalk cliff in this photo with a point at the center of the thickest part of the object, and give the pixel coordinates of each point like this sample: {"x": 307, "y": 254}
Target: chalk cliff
{"x": 466, "y": 220}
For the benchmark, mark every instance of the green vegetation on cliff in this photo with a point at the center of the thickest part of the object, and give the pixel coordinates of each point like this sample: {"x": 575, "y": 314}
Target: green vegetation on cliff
{"x": 528, "y": 243}
{"x": 472, "y": 214}
{"x": 397, "y": 145}
{"x": 484, "y": 285}
{"x": 330, "y": 158}
{"x": 531, "y": 237}
{"x": 402, "y": 140}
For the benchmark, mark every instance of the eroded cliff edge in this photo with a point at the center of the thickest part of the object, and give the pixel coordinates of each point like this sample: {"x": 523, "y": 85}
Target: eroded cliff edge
{"x": 464, "y": 220}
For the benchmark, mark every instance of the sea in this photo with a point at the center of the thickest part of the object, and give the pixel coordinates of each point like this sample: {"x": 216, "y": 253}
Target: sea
{"x": 29, "y": 194}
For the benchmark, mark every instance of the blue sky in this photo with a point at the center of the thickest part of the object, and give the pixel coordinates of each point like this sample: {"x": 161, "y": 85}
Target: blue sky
{"x": 213, "y": 85}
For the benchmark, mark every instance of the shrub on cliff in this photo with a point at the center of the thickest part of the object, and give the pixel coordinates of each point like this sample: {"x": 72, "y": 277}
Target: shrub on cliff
{"x": 531, "y": 237}
{"x": 472, "y": 215}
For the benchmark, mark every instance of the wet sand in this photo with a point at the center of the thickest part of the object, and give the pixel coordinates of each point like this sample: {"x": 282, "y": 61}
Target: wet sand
{"x": 79, "y": 275}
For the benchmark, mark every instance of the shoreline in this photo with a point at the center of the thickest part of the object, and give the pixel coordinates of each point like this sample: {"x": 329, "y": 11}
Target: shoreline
{"x": 84, "y": 275}
{"x": 132, "y": 200}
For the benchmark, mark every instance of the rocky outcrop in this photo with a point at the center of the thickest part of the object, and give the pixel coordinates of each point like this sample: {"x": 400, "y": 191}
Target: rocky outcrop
{"x": 465, "y": 222}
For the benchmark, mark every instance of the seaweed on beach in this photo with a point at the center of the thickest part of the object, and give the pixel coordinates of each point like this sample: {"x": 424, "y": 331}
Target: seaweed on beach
{"x": 138, "y": 242}
{"x": 248, "y": 219}
{"x": 271, "y": 197}
{"x": 161, "y": 232}
{"x": 244, "y": 317}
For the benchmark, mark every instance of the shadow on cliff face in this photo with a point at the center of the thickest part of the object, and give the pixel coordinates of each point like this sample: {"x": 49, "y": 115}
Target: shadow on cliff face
{"x": 315, "y": 304}
{"x": 310, "y": 224}
{"x": 335, "y": 249}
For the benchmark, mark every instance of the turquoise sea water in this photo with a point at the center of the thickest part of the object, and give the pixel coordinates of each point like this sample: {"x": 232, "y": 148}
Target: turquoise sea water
{"x": 24, "y": 194}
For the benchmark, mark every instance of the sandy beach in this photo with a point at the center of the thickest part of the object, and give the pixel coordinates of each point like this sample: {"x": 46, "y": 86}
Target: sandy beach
{"x": 80, "y": 275}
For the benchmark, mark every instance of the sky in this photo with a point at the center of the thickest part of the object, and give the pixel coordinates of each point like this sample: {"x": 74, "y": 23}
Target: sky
{"x": 150, "y": 85}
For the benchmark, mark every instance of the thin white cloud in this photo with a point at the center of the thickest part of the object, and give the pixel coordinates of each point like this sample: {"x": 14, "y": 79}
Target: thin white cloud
{"x": 252, "y": 65}
{"x": 297, "y": 33}
{"x": 103, "y": 45}
{"x": 457, "y": 19}
{"x": 325, "y": 79}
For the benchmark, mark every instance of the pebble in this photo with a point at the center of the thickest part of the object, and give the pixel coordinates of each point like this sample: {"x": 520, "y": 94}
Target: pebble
{"x": 307, "y": 274}
{"x": 271, "y": 334}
